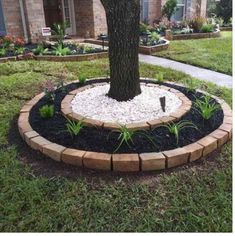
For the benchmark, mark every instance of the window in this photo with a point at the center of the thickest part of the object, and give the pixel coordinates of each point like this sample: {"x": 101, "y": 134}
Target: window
{"x": 180, "y": 11}
{"x": 2, "y": 24}
{"x": 144, "y": 14}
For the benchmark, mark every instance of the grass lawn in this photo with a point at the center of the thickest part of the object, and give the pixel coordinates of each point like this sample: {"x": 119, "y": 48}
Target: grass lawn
{"x": 38, "y": 194}
{"x": 214, "y": 54}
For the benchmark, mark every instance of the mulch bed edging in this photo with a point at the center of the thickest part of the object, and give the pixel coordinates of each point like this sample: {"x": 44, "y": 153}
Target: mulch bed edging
{"x": 131, "y": 161}
{"x": 81, "y": 57}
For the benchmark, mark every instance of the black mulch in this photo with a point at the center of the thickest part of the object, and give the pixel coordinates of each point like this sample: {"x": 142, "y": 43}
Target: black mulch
{"x": 101, "y": 140}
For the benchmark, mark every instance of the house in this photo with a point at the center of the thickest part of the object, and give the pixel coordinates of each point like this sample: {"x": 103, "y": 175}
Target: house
{"x": 26, "y": 18}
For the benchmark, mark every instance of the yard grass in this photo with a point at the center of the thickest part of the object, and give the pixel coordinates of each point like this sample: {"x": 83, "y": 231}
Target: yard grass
{"x": 214, "y": 54}
{"x": 40, "y": 195}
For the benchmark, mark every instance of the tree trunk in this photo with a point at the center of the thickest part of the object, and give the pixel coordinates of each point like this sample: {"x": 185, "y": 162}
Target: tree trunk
{"x": 123, "y": 31}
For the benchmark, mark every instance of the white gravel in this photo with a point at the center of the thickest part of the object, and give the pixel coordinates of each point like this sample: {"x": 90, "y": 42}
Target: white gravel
{"x": 92, "y": 103}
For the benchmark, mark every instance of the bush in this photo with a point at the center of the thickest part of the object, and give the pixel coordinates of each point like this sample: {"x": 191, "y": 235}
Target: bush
{"x": 46, "y": 112}
{"x": 169, "y": 8}
{"x": 196, "y": 23}
{"x": 224, "y": 9}
{"x": 207, "y": 28}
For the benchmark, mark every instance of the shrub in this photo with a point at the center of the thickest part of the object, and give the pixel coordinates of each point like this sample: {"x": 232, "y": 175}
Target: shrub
{"x": 196, "y": 23}
{"x": 224, "y": 9}
{"x": 60, "y": 31}
{"x": 206, "y": 108}
{"x": 154, "y": 38}
{"x": 207, "y": 28}
{"x": 18, "y": 50}
{"x": 74, "y": 127}
{"x": 3, "y": 52}
{"x": 82, "y": 79}
{"x": 47, "y": 112}
{"x": 159, "y": 77}
{"x": 40, "y": 50}
{"x": 169, "y": 8}
{"x": 143, "y": 28}
{"x": 59, "y": 50}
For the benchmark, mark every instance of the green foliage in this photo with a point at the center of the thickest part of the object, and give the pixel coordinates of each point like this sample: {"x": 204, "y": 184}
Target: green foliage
{"x": 60, "y": 31}
{"x": 82, "y": 79}
{"x": 74, "y": 127}
{"x": 18, "y": 50}
{"x": 224, "y": 9}
{"x": 60, "y": 50}
{"x": 47, "y": 111}
{"x": 206, "y": 107}
{"x": 169, "y": 8}
{"x": 207, "y": 28}
{"x": 196, "y": 23}
{"x": 159, "y": 77}
{"x": 40, "y": 50}
{"x": 143, "y": 28}
{"x": 154, "y": 38}
{"x": 176, "y": 128}
{"x": 3, "y": 52}
{"x": 191, "y": 85}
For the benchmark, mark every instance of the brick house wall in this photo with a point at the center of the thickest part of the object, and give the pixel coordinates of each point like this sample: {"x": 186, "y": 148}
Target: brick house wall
{"x": 100, "y": 24}
{"x": 154, "y": 10}
{"x": 12, "y": 17}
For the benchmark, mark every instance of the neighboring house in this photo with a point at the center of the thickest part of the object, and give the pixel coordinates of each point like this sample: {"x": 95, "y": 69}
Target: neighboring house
{"x": 26, "y": 18}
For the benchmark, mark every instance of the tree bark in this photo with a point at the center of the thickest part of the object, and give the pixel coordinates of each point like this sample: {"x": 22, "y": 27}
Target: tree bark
{"x": 123, "y": 31}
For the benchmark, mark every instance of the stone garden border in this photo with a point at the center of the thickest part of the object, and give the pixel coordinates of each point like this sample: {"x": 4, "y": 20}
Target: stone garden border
{"x": 142, "y": 49}
{"x": 171, "y": 36}
{"x": 181, "y": 111}
{"x": 79, "y": 57}
{"x": 132, "y": 162}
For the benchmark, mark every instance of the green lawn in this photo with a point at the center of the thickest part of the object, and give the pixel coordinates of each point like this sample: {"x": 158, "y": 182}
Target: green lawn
{"x": 214, "y": 54}
{"x": 38, "y": 194}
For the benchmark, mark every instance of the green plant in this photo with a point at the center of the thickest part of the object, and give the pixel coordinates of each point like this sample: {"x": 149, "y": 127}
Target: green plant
{"x": 3, "y": 52}
{"x": 224, "y": 9}
{"x": 169, "y": 8}
{"x": 18, "y": 50}
{"x": 47, "y": 111}
{"x": 74, "y": 127}
{"x": 82, "y": 79}
{"x": 154, "y": 38}
{"x": 143, "y": 28}
{"x": 196, "y": 23}
{"x": 207, "y": 28}
{"x": 40, "y": 50}
{"x": 60, "y": 31}
{"x": 176, "y": 128}
{"x": 49, "y": 90}
{"x": 191, "y": 85}
{"x": 206, "y": 108}
{"x": 59, "y": 50}
{"x": 159, "y": 77}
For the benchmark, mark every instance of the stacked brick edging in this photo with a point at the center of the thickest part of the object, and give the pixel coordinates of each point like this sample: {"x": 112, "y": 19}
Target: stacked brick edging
{"x": 171, "y": 36}
{"x": 148, "y": 50}
{"x": 181, "y": 111}
{"x": 82, "y": 57}
{"x": 126, "y": 162}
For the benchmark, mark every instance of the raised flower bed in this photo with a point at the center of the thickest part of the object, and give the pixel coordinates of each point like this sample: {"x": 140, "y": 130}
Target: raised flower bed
{"x": 95, "y": 146}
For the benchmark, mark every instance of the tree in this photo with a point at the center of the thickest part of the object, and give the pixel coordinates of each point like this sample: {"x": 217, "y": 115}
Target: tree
{"x": 123, "y": 30}
{"x": 224, "y": 9}
{"x": 169, "y": 8}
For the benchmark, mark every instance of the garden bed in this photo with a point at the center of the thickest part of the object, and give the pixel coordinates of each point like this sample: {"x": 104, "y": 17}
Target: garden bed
{"x": 171, "y": 36}
{"x": 92, "y": 149}
{"x": 149, "y": 50}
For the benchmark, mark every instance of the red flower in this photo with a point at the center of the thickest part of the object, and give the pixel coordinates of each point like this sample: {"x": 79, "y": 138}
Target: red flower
{"x": 19, "y": 42}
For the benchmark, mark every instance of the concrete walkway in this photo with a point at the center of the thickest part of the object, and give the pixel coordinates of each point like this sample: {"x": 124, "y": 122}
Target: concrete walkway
{"x": 196, "y": 72}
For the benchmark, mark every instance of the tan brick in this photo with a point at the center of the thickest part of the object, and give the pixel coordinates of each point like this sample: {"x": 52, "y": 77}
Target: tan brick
{"x": 209, "y": 143}
{"x": 29, "y": 135}
{"x": 73, "y": 156}
{"x": 228, "y": 128}
{"x": 26, "y": 108}
{"x": 23, "y": 124}
{"x": 92, "y": 123}
{"x": 54, "y": 151}
{"x": 155, "y": 123}
{"x": 97, "y": 160}
{"x": 195, "y": 151}
{"x": 152, "y": 161}
{"x": 176, "y": 157}
{"x": 221, "y": 136}
{"x": 226, "y": 109}
{"x": 38, "y": 142}
{"x": 67, "y": 100}
{"x": 126, "y": 162}
{"x": 228, "y": 120}
{"x": 66, "y": 111}
{"x": 138, "y": 126}
{"x": 74, "y": 116}
{"x": 167, "y": 119}
{"x": 111, "y": 126}
{"x": 178, "y": 114}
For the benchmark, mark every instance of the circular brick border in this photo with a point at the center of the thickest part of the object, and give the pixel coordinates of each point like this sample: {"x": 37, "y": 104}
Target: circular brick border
{"x": 126, "y": 162}
{"x": 145, "y": 125}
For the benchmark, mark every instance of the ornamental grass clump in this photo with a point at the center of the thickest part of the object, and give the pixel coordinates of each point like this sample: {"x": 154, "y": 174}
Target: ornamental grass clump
{"x": 82, "y": 79}
{"x": 74, "y": 127}
{"x": 176, "y": 128}
{"x": 206, "y": 108}
{"x": 207, "y": 28}
{"x": 159, "y": 77}
{"x": 40, "y": 50}
{"x": 191, "y": 85}
{"x": 47, "y": 111}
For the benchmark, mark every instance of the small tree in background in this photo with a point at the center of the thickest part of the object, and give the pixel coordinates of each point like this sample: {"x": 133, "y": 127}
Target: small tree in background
{"x": 169, "y": 8}
{"x": 224, "y": 9}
